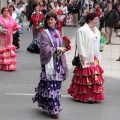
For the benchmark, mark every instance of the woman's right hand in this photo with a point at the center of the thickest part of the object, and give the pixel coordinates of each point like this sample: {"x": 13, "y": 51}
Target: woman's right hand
{"x": 62, "y": 49}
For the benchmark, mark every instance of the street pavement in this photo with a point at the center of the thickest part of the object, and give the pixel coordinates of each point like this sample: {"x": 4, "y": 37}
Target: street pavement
{"x": 17, "y": 88}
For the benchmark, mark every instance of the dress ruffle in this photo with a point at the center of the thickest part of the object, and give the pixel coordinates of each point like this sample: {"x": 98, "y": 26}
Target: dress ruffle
{"x": 47, "y": 96}
{"x": 87, "y": 84}
{"x": 7, "y": 58}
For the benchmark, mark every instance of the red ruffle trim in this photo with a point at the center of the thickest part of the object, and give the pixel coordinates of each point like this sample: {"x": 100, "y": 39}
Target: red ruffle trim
{"x": 86, "y": 89}
{"x": 88, "y": 71}
{"x": 87, "y": 84}
{"x": 89, "y": 80}
{"x": 87, "y": 97}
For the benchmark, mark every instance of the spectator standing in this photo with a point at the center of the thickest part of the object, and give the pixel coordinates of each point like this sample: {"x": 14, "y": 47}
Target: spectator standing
{"x": 16, "y": 35}
{"x": 20, "y": 14}
{"x": 110, "y": 15}
{"x": 75, "y": 11}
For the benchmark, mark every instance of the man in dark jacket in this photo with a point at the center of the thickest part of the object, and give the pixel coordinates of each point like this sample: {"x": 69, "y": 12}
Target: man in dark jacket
{"x": 111, "y": 18}
{"x": 75, "y": 11}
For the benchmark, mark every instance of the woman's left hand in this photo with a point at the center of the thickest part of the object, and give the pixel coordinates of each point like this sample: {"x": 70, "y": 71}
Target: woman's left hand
{"x": 62, "y": 49}
{"x": 102, "y": 46}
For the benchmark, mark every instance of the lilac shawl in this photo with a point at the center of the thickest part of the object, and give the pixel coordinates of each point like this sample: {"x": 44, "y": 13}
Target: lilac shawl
{"x": 47, "y": 51}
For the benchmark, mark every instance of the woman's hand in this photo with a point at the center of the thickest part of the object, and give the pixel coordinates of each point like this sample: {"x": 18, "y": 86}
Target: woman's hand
{"x": 3, "y": 32}
{"x": 28, "y": 29}
{"x": 14, "y": 32}
{"x": 62, "y": 49}
{"x": 102, "y": 46}
{"x": 82, "y": 60}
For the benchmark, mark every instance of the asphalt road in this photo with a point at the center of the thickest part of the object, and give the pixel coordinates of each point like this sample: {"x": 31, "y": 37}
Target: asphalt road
{"x": 17, "y": 88}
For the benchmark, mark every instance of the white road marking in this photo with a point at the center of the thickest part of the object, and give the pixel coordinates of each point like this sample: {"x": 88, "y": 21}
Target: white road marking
{"x": 26, "y": 94}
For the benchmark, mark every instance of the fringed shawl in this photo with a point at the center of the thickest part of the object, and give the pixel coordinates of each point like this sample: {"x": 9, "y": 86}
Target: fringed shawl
{"x": 47, "y": 52}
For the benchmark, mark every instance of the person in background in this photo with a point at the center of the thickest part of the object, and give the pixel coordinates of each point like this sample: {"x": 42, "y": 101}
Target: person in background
{"x": 87, "y": 81}
{"x": 16, "y": 35}
{"x": 75, "y": 11}
{"x": 56, "y": 7}
{"x": 117, "y": 25}
{"x": 21, "y": 3}
{"x": 36, "y": 20}
{"x": 118, "y": 11}
{"x": 98, "y": 11}
{"x": 30, "y": 8}
{"x": 69, "y": 20}
{"x": 7, "y": 50}
{"x": 110, "y": 15}
{"x": 51, "y": 2}
{"x": 51, "y": 78}
{"x": 64, "y": 12}
{"x": 20, "y": 15}
{"x": 49, "y": 8}
{"x": 82, "y": 19}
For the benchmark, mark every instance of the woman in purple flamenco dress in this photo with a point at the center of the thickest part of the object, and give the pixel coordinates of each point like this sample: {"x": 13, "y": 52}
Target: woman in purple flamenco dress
{"x": 54, "y": 69}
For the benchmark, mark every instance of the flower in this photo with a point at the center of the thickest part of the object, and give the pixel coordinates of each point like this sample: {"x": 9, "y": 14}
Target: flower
{"x": 56, "y": 35}
{"x": 23, "y": 12}
{"x": 66, "y": 44}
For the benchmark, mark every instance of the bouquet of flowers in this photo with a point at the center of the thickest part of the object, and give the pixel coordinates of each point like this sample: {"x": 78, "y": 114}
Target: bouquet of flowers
{"x": 41, "y": 25}
{"x": 23, "y": 12}
{"x": 4, "y": 30}
{"x": 103, "y": 40}
{"x": 66, "y": 44}
{"x": 19, "y": 18}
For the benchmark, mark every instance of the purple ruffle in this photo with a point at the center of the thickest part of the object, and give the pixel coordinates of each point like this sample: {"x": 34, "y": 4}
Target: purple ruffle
{"x": 47, "y": 96}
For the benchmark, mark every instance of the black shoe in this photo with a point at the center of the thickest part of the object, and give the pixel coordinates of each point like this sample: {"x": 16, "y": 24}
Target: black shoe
{"x": 108, "y": 43}
{"x": 30, "y": 50}
{"x": 90, "y": 102}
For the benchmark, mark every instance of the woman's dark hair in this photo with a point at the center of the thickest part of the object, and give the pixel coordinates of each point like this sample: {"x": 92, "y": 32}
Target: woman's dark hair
{"x": 11, "y": 6}
{"x": 18, "y": 4}
{"x": 90, "y": 16}
{"x": 4, "y": 9}
{"x": 49, "y": 6}
{"x": 48, "y": 16}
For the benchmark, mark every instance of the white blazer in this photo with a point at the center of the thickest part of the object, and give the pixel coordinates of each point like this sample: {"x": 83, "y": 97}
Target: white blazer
{"x": 84, "y": 42}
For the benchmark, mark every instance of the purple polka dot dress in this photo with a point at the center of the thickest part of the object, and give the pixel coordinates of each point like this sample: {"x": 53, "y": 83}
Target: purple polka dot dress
{"x": 48, "y": 91}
